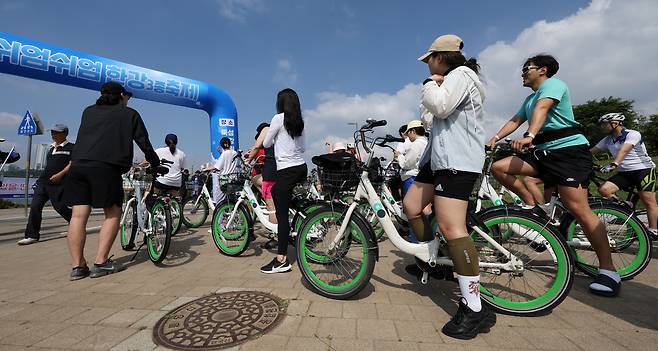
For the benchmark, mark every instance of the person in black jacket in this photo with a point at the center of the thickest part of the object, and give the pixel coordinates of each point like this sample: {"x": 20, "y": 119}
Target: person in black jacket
{"x": 103, "y": 151}
{"x": 50, "y": 185}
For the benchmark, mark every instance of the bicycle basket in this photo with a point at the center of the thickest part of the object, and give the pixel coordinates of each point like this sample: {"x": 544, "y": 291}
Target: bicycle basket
{"x": 231, "y": 182}
{"x": 337, "y": 173}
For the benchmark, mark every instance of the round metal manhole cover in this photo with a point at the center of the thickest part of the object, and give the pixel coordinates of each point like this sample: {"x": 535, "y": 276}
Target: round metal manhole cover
{"x": 219, "y": 321}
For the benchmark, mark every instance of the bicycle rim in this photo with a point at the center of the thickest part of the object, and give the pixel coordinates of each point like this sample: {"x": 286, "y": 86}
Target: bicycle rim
{"x": 231, "y": 240}
{"x": 158, "y": 241}
{"x": 630, "y": 245}
{"x": 195, "y": 212}
{"x": 176, "y": 216}
{"x": 127, "y": 228}
{"x": 547, "y": 274}
{"x": 337, "y": 273}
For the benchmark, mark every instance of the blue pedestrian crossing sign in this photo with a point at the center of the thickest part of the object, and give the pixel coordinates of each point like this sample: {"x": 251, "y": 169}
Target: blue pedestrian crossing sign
{"x": 29, "y": 125}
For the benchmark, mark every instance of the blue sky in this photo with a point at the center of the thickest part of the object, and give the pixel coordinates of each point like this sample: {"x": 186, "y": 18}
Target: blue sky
{"x": 326, "y": 50}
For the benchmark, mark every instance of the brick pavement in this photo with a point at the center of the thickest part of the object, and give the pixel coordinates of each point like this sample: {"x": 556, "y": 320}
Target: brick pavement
{"x": 41, "y": 310}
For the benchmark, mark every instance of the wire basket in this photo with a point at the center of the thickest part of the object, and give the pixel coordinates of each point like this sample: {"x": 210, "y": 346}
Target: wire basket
{"x": 231, "y": 182}
{"x": 338, "y": 180}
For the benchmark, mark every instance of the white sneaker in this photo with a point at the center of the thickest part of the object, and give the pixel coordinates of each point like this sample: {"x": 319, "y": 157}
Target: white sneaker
{"x": 27, "y": 241}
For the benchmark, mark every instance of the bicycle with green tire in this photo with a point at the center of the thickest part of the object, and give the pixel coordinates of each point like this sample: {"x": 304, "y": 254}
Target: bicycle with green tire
{"x": 515, "y": 278}
{"x": 147, "y": 214}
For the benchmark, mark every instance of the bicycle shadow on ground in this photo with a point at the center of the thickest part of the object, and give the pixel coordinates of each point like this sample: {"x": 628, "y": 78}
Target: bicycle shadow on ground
{"x": 180, "y": 253}
{"x": 636, "y": 304}
{"x": 443, "y": 293}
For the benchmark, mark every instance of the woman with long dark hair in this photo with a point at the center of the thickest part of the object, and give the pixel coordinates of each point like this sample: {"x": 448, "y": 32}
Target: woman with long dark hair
{"x": 286, "y": 133}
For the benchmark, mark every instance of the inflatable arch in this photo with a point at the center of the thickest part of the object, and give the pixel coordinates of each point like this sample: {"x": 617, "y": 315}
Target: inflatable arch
{"x": 32, "y": 59}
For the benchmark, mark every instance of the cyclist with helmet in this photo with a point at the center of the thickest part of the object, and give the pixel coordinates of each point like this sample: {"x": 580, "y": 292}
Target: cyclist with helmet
{"x": 225, "y": 164}
{"x": 172, "y": 181}
{"x": 635, "y": 168}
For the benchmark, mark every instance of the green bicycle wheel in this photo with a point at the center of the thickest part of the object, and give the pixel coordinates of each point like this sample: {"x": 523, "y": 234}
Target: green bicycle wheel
{"x": 129, "y": 227}
{"x": 176, "y": 215}
{"x": 342, "y": 271}
{"x": 630, "y": 243}
{"x": 541, "y": 278}
{"x": 195, "y": 211}
{"x": 159, "y": 239}
{"x": 231, "y": 240}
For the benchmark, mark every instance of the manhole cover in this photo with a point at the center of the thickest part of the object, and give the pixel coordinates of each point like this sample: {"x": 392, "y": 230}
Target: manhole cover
{"x": 219, "y": 321}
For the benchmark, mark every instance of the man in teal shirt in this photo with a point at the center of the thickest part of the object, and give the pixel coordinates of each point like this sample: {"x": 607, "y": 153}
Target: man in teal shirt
{"x": 561, "y": 159}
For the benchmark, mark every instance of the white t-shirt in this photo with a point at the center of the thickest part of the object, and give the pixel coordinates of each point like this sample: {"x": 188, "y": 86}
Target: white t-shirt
{"x": 403, "y": 147}
{"x": 175, "y": 175}
{"x": 288, "y": 152}
{"x": 226, "y": 163}
{"x": 409, "y": 160}
{"x": 637, "y": 158}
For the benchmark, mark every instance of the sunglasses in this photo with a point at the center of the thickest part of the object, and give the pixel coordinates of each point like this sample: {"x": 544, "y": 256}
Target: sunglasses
{"x": 526, "y": 69}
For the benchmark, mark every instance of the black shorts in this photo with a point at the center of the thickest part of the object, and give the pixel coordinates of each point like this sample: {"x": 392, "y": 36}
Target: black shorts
{"x": 92, "y": 183}
{"x": 425, "y": 174}
{"x": 570, "y": 166}
{"x": 164, "y": 187}
{"x": 641, "y": 179}
{"x": 454, "y": 184}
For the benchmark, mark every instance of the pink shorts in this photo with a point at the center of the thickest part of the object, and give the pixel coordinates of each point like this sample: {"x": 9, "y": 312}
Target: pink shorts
{"x": 266, "y": 188}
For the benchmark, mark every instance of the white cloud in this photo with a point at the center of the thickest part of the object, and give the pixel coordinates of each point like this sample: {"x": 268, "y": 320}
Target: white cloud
{"x": 605, "y": 49}
{"x": 8, "y": 119}
{"x": 328, "y": 121}
{"x": 285, "y": 75}
{"x": 238, "y": 10}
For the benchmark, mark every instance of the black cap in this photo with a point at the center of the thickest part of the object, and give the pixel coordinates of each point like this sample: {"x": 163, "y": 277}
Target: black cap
{"x": 261, "y": 127}
{"x": 114, "y": 88}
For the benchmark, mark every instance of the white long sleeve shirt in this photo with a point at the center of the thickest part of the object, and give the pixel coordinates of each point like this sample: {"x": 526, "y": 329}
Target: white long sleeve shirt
{"x": 288, "y": 152}
{"x": 409, "y": 160}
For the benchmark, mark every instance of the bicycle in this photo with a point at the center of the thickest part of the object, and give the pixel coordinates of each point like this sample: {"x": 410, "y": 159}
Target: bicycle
{"x": 232, "y": 221}
{"x": 533, "y": 282}
{"x": 629, "y": 239}
{"x": 195, "y": 208}
{"x": 146, "y": 213}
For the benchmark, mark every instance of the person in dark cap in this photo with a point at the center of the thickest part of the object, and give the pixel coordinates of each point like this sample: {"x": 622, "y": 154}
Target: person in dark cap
{"x": 50, "y": 185}
{"x": 103, "y": 151}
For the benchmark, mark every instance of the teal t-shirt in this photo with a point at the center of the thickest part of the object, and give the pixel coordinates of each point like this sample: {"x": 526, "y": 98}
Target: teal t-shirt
{"x": 559, "y": 116}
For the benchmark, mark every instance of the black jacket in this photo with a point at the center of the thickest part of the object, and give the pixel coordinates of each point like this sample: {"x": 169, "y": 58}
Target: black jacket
{"x": 106, "y": 134}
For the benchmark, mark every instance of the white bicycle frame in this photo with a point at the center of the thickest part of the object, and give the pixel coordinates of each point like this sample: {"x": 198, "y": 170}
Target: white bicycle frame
{"x": 427, "y": 251}
{"x": 262, "y": 213}
{"x": 143, "y": 216}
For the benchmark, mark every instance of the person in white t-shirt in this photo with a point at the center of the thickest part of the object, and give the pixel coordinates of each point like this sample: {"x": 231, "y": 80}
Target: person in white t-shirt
{"x": 635, "y": 168}
{"x": 172, "y": 181}
{"x": 225, "y": 164}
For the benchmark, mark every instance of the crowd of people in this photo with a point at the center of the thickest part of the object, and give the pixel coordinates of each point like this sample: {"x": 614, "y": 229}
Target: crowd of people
{"x": 440, "y": 160}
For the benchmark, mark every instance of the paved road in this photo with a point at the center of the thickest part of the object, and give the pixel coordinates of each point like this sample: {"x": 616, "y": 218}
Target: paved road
{"x": 41, "y": 310}
{"x": 12, "y": 224}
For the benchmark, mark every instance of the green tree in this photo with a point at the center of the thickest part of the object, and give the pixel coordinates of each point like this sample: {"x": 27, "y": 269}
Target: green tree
{"x": 649, "y": 130}
{"x": 588, "y": 115}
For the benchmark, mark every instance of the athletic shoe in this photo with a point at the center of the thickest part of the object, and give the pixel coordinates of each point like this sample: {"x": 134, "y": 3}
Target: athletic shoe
{"x": 276, "y": 267}
{"x": 106, "y": 268}
{"x": 79, "y": 273}
{"x": 27, "y": 241}
{"x": 467, "y": 324}
{"x": 605, "y": 286}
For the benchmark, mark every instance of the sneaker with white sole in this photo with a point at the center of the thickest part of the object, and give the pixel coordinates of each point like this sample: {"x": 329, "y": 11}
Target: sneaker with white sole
{"x": 276, "y": 267}
{"x": 27, "y": 241}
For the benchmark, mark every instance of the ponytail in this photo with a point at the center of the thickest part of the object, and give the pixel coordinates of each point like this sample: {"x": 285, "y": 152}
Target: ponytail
{"x": 456, "y": 59}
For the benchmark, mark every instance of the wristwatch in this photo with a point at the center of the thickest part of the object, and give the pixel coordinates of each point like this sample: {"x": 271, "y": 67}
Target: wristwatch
{"x": 529, "y": 134}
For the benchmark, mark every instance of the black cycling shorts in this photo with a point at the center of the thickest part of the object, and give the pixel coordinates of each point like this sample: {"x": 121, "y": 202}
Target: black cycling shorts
{"x": 641, "y": 179}
{"x": 92, "y": 183}
{"x": 425, "y": 174}
{"x": 165, "y": 188}
{"x": 569, "y": 166}
{"x": 454, "y": 184}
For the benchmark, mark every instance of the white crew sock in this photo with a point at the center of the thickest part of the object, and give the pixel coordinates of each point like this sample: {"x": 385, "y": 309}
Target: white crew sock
{"x": 469, "y": 286}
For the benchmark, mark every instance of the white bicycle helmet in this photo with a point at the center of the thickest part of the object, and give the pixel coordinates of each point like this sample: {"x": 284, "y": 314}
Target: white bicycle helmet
{"x": 612, "y": 117}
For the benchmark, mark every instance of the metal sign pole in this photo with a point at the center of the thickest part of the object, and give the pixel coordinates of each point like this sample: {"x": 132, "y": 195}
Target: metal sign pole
{"x": 27, "y": 170}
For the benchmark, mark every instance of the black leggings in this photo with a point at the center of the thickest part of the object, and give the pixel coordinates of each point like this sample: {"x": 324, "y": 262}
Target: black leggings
{"x": 282, "y": 196}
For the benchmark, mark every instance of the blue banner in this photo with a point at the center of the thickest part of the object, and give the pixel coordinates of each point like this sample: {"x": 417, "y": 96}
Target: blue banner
{"x": 32, "y": 59}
